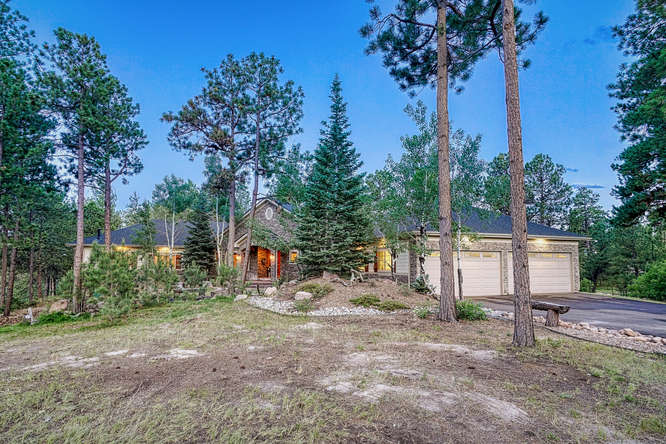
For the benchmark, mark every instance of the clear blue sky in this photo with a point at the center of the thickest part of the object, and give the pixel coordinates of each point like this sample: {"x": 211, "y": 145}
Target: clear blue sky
{"x": 158, "y": 47}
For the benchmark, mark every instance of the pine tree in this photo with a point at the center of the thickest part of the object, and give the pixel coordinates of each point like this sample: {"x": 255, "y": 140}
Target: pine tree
{"x": 200, "y": 245}
{"x": 333, "y": 231}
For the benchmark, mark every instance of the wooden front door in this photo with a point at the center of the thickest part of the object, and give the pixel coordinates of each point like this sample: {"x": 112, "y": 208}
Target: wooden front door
{"x": 263, "y": 263}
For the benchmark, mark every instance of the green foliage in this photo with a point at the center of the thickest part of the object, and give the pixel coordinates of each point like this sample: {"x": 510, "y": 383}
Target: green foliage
{"x": 333, "y": 230}
{"x": 59, "y": 317}
{"x": 229, "y": 278}
{"x": 547, "y": 195}
{"x": 110, "y": 278}
{"x": 651, "y": 284}
{"x": 421, "y": 285}
{"x": 390, "y": 305}
{"x": 640, "y": 91}
{"x": 585, "y": 211}
{"x": 194, "y": 277}
{"x": 289, "y": 179}
{"x": 366, "y": 300}
{"x": 144, "y": 237}
{"x": 586, "y": 285}
{"x": 422, "y": 312}
{"x": 408, "y": 39}
{"x": 200, "y": 244}
{"x": 371, "y": 301}
{"x": 156, "y": 283}
{"x": 318, "y": 290}
{"x": 470, "y": 311}
{"x": 497, "y": 185}
{"x": 303, "y": 306}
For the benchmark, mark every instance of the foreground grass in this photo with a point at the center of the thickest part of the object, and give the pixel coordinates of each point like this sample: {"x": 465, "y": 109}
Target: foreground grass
{"x": 258, "y": 378}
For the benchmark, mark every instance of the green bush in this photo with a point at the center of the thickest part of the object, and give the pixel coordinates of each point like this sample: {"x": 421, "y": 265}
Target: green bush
{"x": 470, "y": 311}
{"x": 156, "y": 283}
{"x": 366, "y": 300}
{"x": 194, "y": 276}
{"x": 229, "y": 278}
{"x": 110, "y": 278}
{"x": 390, "y": 305}
{"x": 422, "y": 312}
{"x": 318, "y": 290}
{"x": 586, "y": 285}
{"x": 651, "y": 284}
{"x": 303, "y": 306}
{"x": 60, "y": 317}
{"x": 421, "y": 285}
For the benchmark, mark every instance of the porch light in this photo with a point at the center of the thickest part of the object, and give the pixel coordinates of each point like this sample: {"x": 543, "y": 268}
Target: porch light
{"x": 272, "y": 256}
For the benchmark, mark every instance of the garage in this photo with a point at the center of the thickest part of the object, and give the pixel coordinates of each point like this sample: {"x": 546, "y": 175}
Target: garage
{"x": 482, "y": 272}
{"x": 549, "y": 273}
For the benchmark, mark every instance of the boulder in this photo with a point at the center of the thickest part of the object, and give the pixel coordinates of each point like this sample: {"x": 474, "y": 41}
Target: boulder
{"x": 270, "y": 292}
{"x": 329, "y": 276}
{"x": 240, "y": 297}
{"x": 302, "y": 296}
{"x": 629, "y": 332}
{"x": 60, "y": 305}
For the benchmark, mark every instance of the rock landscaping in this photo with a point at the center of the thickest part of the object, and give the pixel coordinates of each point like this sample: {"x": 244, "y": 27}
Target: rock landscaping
{"x": 624, "y": 338}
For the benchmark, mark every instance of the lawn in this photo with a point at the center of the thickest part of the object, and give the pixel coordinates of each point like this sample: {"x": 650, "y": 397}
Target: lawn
{"x": 223, "y": 371}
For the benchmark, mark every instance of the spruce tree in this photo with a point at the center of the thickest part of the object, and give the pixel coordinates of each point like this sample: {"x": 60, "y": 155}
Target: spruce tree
{"x": 333, "y": 231}
{"x": 200, "y": 245}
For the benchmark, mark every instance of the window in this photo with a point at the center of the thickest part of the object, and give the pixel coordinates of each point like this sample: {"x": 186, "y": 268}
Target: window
{"x": 384, "y": 261}
{"x": 237, "y": 259}
{"x": 472, "y": 254}
{"x": 489, "y": 254}
{"x": 293, "y": 256}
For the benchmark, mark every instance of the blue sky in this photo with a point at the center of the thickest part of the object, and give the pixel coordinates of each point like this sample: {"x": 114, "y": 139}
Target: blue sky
{"x": 158, "y": 47}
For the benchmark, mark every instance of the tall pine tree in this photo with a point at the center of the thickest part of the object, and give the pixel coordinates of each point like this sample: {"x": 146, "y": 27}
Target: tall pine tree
{"x": 333, "y": 231}
{"x": 200, "y": 245}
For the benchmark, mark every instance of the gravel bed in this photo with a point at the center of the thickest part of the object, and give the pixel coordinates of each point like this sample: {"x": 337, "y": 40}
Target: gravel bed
{"x": 287, "y": 308}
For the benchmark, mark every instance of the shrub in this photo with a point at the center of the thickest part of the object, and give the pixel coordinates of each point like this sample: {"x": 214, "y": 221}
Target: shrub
{"x": 194, "y": 276}
{"x": 651, "y": 284}
{"x": 318, "y": 290}
{"x": 586, "y": 285}
{"x": 229, "y": 278}
{"x": 421, "y": 285}
{"x": 422, "y": 312}
{"x": 65, "y": 285}
{"x": 303, "y": 306}
{"x": 60, "y": 317}
{"x": 366, "y": 300}
{"x": 390, "y": 305}
{"x": 156, "y": 283}
{"x": 470, "y": 311}
{"x": 110, "y": 278}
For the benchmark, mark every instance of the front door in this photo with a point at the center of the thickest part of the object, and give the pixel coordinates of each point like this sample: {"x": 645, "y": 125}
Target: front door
{"x": 263, "y": 263}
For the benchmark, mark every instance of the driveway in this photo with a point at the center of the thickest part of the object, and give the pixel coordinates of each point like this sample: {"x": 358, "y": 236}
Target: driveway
{"x": 602, "y": 311}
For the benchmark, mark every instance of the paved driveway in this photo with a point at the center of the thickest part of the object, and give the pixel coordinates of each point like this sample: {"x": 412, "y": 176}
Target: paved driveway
{"x": 603, "y": 311}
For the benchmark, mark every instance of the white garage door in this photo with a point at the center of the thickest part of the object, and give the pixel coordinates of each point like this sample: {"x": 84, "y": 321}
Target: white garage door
{"x": 549, "y": 272}
{"x": 481, "y": 272}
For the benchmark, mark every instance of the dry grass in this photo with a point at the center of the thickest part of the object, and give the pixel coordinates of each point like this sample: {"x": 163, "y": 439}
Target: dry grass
{"x": 219, "y": 371}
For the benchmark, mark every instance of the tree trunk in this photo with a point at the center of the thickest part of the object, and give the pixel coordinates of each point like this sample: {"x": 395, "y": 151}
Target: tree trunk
{"x": 31, "y": 274}
{"x": 77, "y": 298}
{"x": 253, "y": 209}
{"x": 107, "y": 206}
{"x": 460, "y": 274}
{"x": 523, "y": 331}
{"x": 232, "y": 221}
{"x": 447, "y": 299}
{"x": 3, "y": 270}
{"x": 12, "y": 270}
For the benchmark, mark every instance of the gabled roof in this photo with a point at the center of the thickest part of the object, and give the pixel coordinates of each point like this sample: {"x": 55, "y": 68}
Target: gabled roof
{"x": 484, "y": 222}
{"x": 126, "y": 236}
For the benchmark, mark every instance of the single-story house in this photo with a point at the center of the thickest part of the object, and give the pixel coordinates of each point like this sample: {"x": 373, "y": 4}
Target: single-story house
{"x": 486, "y": 254}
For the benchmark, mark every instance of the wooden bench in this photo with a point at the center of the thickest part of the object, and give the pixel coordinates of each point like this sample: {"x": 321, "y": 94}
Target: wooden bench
{"x": 554, "y": 311}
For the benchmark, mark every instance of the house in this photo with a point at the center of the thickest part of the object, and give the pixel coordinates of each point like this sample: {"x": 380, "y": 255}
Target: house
{"x": 486, "y": 259}
{"x": 124, "y": 239}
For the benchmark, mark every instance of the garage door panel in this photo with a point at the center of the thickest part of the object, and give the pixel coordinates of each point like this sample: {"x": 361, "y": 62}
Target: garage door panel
{"x": 481, "y": 273}
{"x": 549, "y": 272}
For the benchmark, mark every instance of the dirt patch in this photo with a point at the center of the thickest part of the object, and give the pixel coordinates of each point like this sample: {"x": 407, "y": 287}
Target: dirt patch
{"x": 384, "y": 289}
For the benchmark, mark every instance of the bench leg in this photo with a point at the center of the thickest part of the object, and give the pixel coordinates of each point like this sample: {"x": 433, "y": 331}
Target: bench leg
{"x": 552, "y": 318}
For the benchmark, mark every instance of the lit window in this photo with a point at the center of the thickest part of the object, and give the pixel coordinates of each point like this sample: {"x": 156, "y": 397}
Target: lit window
{"x": 293, "y": 256}
{"x": 237, "y": 259}
{"x": 489, "y": 254}
{"x": 472, "y": 254}
{"x": 383, "y": 260}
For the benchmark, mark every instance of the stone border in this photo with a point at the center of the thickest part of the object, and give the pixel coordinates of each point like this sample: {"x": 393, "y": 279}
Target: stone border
{"x": 625, "y": 338}
{"x": 287, "y": 308}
